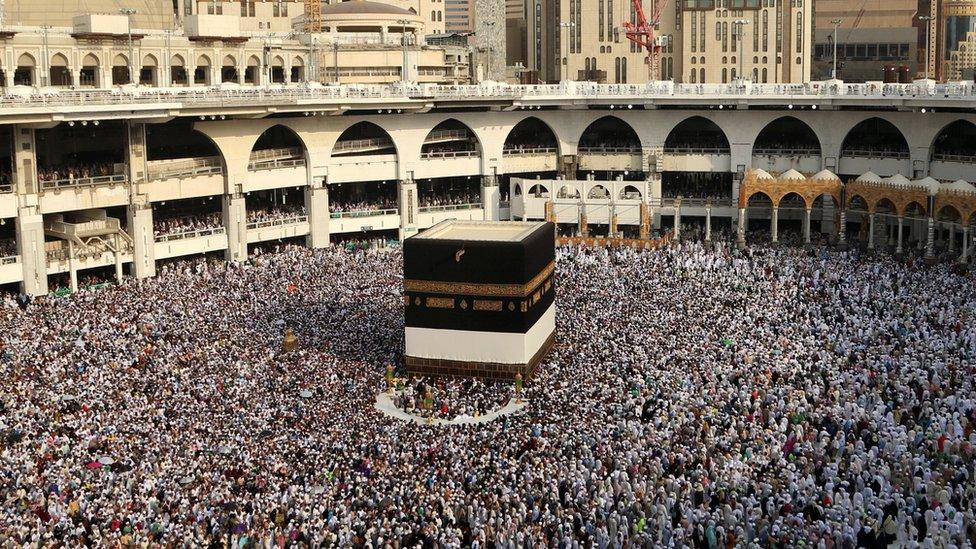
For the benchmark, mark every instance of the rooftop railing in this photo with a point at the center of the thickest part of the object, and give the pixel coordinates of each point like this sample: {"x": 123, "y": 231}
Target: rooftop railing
{"x": 526, "y": 151}
{"x": 184, "y": 168}
{"x": 216, "y": 97}
{"x": 786, "y": 152}
{"x": 961, "y": 158}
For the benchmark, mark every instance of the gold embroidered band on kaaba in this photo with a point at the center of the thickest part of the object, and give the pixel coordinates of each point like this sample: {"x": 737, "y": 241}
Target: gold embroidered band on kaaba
{"x": 473, "y": 288}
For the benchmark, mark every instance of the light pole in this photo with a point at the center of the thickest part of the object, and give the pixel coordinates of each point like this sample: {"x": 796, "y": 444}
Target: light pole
{"x": 564, "y": 61}
{"x": 740, "y": 23}
{"x": 928, "y": 28}
{"x": 403, "y": 39}
{"x": 833, "y": 74}
{"x": 129, "y": 12}
{"x": 46, "y": 78}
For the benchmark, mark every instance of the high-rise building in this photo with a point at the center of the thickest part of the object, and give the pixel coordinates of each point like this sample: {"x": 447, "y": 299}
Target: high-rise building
{"x": 951, "y": 39}
{"x": 458, "y": 16}
{"x": 876, "y": 39}
{"x": 702, "y": 40}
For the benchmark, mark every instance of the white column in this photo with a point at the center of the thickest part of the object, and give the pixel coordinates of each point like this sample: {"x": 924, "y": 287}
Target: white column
{"x": 842, "y": 229}
{"x": 708, "y": 224}
{"x": 235, "y": 225}
{"x": 898, "y": 250}
{"x": 490, "y": 195}
{"x": 774, "y": 224}
{"x": 409, "y": 207}
{"x": 30, "y": 247}
{"x": 965, "y": 244}
{"x": 952, "y": 237}
{"x": 317, "y": 206}
{"x": 930, "y": 239}
{"x": 871, "y": 231}
{"x": 72, "y": 272}
{"x": 140, "y": 225}
{"x": 740, "y": 237}
{"x": 118, "y": 258}
{"x": 677, "y": 218}
{"x": 806, "y": 226}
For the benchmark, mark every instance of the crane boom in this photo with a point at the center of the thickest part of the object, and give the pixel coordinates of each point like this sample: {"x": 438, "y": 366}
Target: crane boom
{"x": 641, "y": 32}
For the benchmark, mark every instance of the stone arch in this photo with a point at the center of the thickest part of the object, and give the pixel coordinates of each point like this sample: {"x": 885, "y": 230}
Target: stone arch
{"x": 756, "y": 194}
{"x": 453, "y": 125}
{"x": 567, "y": 191}
{"x": 788, "y": 194}
{"x": 180, "y": 139}
{"x": 598, "y": 192}
{"x": 787, "y": 133}
{"x": 522, "y": 132}
{"x": 149, "y": 60}
{"x": 620, "y": 133}
{"x": 629, "y": 191}
{"x": 177, "y": 61}
{"x": 873, "y": 134}
{"x": 857, "y": 199}
{"x": 253, "y": 61}
{"x": 90, "y": 60}
{"x": 229, "y": 61}
{"x": 955, "y": 139}
{"x": 26, "y": 60}
{"x": 364, "y": 138}
{"x": 696, "y": 132}
{"x": 280, "y": 136}
{"x": 539, "y": 190}
{"x": 120, "y": 60}
{"x": 59, "y": 60}
{"x": 940, "y": 215}
{"x": 297, "y": 61}
{"x": 203, "y": 61}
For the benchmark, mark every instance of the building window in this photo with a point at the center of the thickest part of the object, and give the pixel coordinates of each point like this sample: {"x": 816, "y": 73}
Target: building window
{"x": 755, "y": 34}
{"x": 764, "y": 76}
{"x": 736, "y": 29}
{"x": 623, "y": 70}
{"x": 718, "y": 31}
{"x": 799, "y": 32}
{"x": 694, "y": 31}
{"x": 701, "y": 75}
{"x": 725, "y": 75}
{"x": 701, "y": 37}
{"x": 725, "y": 36}
{"x": 600, "y": 17}
{"x": 616, "y": 70}
{"x": 779, "y": 31}
{"x": 694, "y": 76}
{"x": 765, "y": 30}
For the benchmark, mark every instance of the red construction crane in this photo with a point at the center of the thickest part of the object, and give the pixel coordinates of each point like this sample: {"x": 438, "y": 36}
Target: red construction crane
{"x": 641, "y": 32}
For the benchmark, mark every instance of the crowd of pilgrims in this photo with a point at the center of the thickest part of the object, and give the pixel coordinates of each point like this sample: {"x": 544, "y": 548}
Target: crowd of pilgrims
{"x": 697, "y": 396}
{"x": 450, "y": 398}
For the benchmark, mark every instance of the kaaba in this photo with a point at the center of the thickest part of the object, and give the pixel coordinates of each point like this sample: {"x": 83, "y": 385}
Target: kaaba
{"x": 479, "y": 298}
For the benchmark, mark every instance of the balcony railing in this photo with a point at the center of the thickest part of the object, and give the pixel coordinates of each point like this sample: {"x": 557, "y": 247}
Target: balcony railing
{"x": 353, "y": 145}
{"x": 696, "y": 150}
{"x": 450, "y": 207}
{"x": 609, "y": 150}
{"x": 278, "y": 222}
{"x": 785, "y": 152}
{"x": 182, "y": 169}
{"x": 448, "y": 154}
{"x": 529, "y": 151}
{"x": 84, "y": 182}
{"x": 960, "y": 158}
{"x": 276, "y": 164}
{"x": 363, "y": 213}
{"x": 183, "y": 235}
{"x": 875, "y": 153}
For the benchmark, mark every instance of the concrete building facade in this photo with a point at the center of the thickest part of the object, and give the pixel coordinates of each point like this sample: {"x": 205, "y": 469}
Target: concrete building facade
{"x": 703, "y": 41}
